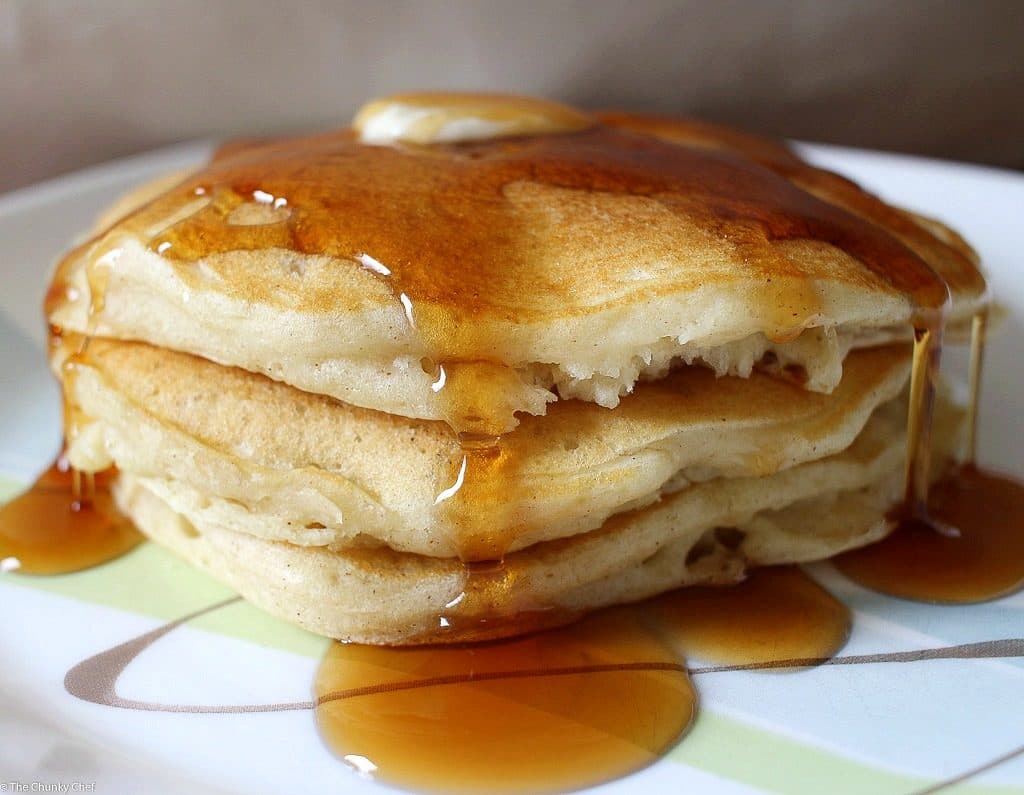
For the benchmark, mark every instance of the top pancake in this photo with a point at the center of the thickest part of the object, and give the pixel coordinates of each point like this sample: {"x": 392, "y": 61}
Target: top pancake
{"x": 470, "y": 281}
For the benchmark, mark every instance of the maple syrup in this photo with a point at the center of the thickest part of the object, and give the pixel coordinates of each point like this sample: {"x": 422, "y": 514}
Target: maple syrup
{"x": 961, "y": 539}
{"x": 979, "y": 330}
{"x": 980, "y": 557}
{"x": 546, "y": 712}
{"x": 778, "y": 613}
{"x": 566, "y": 708}
{"x": 479, "y": 503}
{"x": 65, "y": 522}
{"x": 923, "y": 376}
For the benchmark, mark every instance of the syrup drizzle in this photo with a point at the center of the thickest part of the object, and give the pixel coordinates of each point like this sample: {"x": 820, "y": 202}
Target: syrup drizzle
{"x": 979, "y": 330}
{"x": 962, "y": 540}
{"x": 923, "y": 376}
{"x": 65, "y": 522}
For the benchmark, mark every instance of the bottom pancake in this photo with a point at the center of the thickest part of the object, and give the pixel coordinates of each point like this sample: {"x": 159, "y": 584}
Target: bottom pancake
{"x": 707, "y": 533}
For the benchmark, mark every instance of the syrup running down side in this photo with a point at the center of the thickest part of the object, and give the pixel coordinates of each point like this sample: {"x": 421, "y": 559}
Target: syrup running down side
{"x": 981, "y": 559}
{"x": 960, "y": 539}
{"x": 923, "y": 377}
{"x": 65, "y": 522}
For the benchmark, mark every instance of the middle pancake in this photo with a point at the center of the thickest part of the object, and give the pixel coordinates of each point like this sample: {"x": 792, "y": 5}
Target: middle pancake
{"x": 311, "y": 471}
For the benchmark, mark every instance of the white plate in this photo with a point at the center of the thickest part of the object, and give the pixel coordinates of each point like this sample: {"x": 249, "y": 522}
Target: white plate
{"x": 886, "y": 727}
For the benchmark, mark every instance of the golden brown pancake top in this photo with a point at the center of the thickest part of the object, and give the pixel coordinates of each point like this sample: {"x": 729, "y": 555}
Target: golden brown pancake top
{"x": 500, "y": 229}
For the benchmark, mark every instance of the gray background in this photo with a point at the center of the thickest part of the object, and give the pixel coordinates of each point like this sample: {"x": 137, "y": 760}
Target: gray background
{"x": 82, "y": 82}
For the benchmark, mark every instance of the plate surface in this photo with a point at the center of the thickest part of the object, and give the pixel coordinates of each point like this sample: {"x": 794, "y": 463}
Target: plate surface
{"x": 881, "y": 727}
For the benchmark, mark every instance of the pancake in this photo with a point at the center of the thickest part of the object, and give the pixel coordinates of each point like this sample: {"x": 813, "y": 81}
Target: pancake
{"x": 482, "y": 364}
{"x": 379, "y": 595}
{"x": 311, "y": 471}
{"x": 480, "y": 280}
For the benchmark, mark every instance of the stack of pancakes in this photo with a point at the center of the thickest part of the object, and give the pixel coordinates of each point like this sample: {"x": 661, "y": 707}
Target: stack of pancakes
{"x": 482, "y": 364}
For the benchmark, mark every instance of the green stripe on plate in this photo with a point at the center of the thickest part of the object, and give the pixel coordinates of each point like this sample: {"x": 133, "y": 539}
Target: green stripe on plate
{"x": 8, "y": 488}
{"x": 738, "y": 751}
